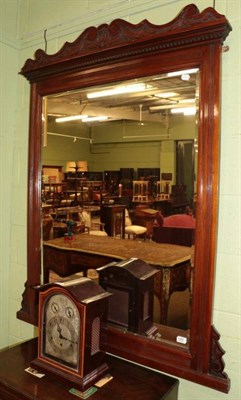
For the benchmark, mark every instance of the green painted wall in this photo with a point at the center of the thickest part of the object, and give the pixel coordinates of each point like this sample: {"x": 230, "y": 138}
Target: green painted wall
{"x": 120, "y": 144}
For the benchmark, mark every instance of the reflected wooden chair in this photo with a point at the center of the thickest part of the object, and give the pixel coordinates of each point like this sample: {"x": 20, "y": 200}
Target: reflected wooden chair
{"x": 92, "y": 227}
{"x": 133, "y": 231}
{"x": 47, "y": 224}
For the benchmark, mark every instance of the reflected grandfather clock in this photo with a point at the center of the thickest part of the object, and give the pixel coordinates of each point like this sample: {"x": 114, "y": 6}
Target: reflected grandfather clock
{"x": 131, "y": 282}
{"x": 71, "y": 318}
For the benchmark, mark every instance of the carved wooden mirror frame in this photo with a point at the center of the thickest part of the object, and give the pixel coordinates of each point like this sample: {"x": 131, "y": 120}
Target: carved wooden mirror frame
{"x": 123, "y": 51}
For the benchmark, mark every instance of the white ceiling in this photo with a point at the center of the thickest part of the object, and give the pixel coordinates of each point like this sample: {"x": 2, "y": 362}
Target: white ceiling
{"x": 129, "y": 106}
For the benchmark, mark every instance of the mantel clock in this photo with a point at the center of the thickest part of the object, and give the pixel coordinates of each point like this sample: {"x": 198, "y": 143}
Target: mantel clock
{"x": 72, "y": 315}
{"x": 131, "y": 282}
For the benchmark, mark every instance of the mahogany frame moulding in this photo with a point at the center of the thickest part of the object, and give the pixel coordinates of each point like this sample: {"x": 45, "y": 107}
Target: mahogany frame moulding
{"x": 122, "y": 51}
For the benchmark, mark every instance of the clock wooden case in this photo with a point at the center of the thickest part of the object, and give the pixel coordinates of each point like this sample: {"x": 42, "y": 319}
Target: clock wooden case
{"x": 72, "y": 315}
{"x": 131, "y": 282}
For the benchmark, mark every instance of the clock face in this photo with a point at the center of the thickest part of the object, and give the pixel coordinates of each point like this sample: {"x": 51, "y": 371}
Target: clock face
{"x": 61, "y": 330}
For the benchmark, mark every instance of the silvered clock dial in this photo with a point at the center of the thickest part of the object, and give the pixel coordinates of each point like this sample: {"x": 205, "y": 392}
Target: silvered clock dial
{"x": 62, "y": 326}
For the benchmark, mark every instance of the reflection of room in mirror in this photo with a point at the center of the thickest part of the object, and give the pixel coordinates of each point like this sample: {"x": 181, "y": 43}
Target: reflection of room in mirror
{"x": 128, "y": 145}
{"x": 144, "y": 145}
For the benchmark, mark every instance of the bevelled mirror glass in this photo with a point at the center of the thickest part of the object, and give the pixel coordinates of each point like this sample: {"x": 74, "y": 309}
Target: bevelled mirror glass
{"x": 142, "y": 130}
{"x": 178, "y": 66}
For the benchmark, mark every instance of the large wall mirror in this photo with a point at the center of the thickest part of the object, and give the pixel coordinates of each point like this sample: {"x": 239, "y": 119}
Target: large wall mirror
{"x": 141, "y": 130}
{"x": 169, "y": 107}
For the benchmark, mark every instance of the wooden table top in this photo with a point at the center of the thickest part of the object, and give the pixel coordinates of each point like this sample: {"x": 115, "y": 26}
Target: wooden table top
{"x": 159, "y": 254}
{"x": 129, "y": 380}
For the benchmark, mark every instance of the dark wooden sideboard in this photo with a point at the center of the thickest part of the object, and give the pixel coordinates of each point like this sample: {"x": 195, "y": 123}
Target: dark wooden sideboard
{"x": 129, "y": 380}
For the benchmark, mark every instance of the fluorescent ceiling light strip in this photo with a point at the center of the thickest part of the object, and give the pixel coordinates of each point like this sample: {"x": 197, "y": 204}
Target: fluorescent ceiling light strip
{"x": 71, "y": 118}
{"x": 171, "y": 106}
{"x": 179, "y": 73}
{"x": 184, "y": 110}
{"x": 90, "y": 119}
{"x": 119, "y": 90}
{"x": 166, "y": 95}
{"x": 190, "y": 111}
{"x": 183, "y": 101}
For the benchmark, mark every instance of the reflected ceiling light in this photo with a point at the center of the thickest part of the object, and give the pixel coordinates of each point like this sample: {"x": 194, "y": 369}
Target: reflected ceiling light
{"x": 137, "y": 87}
{"x": 184, "y": 110}
{"x": 183, "y": 101}
{"x": 185, "y": 77}
{"x": 90, "y": 119}
{"x": 184, "y": 72}
{"x": 71, "y": 118}
{"x": 166, "y": 95}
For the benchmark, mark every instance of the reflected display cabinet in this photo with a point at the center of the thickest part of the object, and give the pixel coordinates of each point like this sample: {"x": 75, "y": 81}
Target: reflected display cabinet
{"x": 113, "y": 216}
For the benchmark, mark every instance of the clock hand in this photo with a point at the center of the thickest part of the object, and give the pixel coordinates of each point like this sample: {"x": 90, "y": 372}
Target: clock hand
{"x": 69, "y": 340}
{"x": 62, "y": 337}
{"x": 59, "y": 330}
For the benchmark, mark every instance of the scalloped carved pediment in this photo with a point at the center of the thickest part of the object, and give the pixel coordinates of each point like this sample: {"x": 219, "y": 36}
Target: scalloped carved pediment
{"x": 180, "y": 32}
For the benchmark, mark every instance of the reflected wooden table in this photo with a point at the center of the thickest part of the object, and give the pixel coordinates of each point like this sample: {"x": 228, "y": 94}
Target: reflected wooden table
{"x": 90, "y": 252}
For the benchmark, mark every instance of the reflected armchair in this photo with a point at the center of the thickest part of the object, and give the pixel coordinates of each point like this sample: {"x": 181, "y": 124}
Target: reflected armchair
{"x": 176, "y": 229}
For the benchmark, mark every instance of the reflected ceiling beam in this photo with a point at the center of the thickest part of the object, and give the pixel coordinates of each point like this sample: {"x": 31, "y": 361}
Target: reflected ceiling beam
{"x": 114, "y": 114}
{"x": 69, "y": 136}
